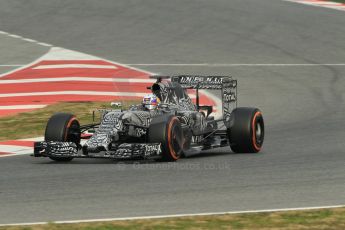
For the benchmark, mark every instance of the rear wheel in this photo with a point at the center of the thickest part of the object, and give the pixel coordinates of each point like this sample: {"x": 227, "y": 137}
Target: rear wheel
{"x": 246, "y": 135}
{"x": 63, "y": 127}
{"x": 167, "y": 131}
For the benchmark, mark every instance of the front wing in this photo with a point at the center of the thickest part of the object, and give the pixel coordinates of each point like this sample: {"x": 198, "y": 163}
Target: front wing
{"x": 122, "y": 151}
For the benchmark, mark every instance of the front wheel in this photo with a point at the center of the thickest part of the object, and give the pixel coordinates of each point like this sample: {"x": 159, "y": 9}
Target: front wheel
{"x": 167, "y": 130}
{"x": 247, "y": 131}
{"x": 63, "y": 127}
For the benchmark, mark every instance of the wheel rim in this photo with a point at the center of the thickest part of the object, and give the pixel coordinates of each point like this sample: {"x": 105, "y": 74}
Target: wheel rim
{"x": 259, "y": 133}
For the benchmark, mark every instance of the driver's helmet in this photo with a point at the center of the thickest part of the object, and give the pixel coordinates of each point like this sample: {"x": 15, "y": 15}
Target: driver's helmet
{"x": 150, "y": 101}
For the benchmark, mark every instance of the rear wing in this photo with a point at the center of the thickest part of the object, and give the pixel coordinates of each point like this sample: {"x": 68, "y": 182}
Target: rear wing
{"x": 226, "y": 84}
{"x": 205, "y": 82}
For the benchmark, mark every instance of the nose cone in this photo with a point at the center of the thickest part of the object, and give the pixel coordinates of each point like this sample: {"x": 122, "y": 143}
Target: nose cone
{"x": 100, "y": 141}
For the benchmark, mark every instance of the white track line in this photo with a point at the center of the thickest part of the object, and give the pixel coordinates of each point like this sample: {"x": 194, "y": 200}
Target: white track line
{"x": 87, "y": 79}
{"x": 15, "y": 150}
{"x": 63, "y": 66}
{"x": 61, "y": 54}
{"x": 44, "y": 44}
{"x": 30, "y": 40}
{"x": 79, "y": 79}
{"x": 58, "y": 53}
{"x": 7, "y": 107}
{"x": 25, "y": 39}
{"x": 23, "y": 152}
{"x": 237, "y": 64}
{"x": 176, "y": 215}
{"x": 323, "y": 4}
{"x": 15, "y": 36}
{"x": 95, "y": 93}
{"x": 10, "y": 65}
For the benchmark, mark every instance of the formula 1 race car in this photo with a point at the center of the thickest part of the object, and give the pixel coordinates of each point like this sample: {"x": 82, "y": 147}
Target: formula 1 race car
{"x": 165, "y": 127}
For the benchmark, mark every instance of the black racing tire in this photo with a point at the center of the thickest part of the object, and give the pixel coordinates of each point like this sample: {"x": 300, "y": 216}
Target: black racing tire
{"x": 167, "y": 130}
{"x": 247, "y": 131}
{"x": 63, "y": 127}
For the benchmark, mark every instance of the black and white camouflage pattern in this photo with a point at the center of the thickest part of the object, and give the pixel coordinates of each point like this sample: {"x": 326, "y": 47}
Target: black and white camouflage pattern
{"x": 107, "y": 131}
{"x": 115, "y": 122}
{"x": 132, "y": 121}
{"x": 54, "y": 148}
{"x": 123, "y": 134}
{"x": 226, "y": 84}
{"x": 138, "y": 150}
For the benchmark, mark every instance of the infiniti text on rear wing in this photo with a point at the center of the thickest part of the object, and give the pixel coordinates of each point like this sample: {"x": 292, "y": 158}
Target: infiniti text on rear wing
{"x": 205, "y": 82}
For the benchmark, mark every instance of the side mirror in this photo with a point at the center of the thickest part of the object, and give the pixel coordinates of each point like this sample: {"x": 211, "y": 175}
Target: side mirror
{"x": 116, "y": 104}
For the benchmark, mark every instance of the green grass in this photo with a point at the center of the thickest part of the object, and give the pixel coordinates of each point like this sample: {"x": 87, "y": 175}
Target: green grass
{"x": 32, "y": 124}
{"x": 342, "y": 1}
{"x": 312, "y": 219}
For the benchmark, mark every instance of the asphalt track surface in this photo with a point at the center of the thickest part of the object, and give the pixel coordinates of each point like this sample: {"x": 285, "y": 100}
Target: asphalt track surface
{"x": 303, "y": 159}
